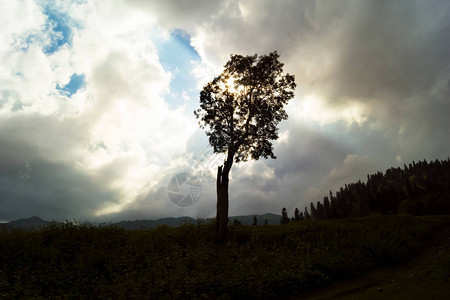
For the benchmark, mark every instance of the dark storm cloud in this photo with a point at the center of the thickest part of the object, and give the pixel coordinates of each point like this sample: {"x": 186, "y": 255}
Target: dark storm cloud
{"x": 390, "y": 50}
{"x": 38, "y": 175}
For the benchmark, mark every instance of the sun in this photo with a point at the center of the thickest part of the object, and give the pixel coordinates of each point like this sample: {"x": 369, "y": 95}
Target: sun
{"x": 229, "y": 84}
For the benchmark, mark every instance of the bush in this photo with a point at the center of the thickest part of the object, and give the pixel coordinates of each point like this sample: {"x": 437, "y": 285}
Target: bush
{"x": 83, "y": 261}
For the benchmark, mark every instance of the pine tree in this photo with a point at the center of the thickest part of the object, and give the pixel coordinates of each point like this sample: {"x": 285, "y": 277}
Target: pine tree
{"x": 418, "y": 188}
{"x": 327, "y": 208}
{"x": 297, "y": 214}
{"x": 301, "y": 217}
{"x": 306, "y": 214}
{"x": 284, "y": 216}
{"x": 313, "y": 212}
{"x": 319, "y": 211}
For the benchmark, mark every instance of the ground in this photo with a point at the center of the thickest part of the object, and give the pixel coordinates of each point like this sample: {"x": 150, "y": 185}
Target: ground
{"x": 424, "y": 277}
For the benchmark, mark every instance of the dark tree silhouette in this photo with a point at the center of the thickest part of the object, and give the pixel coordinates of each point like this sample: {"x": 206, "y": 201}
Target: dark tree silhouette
{"x": 240, "y": 110}
{"x": 284, "y": 217}
{"x": 297, "y": 214}
{"x": 302, "y": 217}
{"x": 327, "y": 212}
{"x": 313, "y": 211}
{"x": 255, "y": 221}
{"x": 306, "y": 214}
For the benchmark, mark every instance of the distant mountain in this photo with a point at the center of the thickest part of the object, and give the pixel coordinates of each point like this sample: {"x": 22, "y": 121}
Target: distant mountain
{"x": 28, "y": 223}
{"x": 36, "y": 222}
{"x": 147, "y": 224}
{"x": 272, "y": 219}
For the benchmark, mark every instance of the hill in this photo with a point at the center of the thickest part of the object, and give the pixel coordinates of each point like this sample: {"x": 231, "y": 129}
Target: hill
{"x": 36, "y": 222}
{"x": 421, "y": 188}
{"x": 26, "y": 223}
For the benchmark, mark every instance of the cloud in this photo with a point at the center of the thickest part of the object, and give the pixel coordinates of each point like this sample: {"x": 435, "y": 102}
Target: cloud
{"x": 373, "y": 92}
{"x": 378, "y": 53}
{"x": 101, "y": 146}
{"x": 40, "y": 171}
{"x": 391, "y": 49}
{"x": 173, "y": 14}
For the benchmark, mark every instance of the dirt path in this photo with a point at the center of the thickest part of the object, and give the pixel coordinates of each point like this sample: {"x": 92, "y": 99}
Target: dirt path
{"x": 425, "y": 277}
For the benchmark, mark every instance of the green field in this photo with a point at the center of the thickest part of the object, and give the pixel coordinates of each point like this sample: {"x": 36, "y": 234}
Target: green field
{"x": 335, "y": 257}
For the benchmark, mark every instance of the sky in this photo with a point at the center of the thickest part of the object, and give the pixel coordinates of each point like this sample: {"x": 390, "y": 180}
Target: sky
{"x": 97, "y": 101}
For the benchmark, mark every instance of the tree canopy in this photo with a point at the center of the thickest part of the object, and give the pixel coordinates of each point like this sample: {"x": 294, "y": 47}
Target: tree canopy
{"x": 241, "y": 108}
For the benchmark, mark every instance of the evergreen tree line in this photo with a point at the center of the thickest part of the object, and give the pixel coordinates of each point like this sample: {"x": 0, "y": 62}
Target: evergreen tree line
{"x": 236, "y": 222}
{"x": 421, "y": 188}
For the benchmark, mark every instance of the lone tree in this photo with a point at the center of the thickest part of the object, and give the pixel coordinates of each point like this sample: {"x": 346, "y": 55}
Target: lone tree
{"x": 240, "y": 110}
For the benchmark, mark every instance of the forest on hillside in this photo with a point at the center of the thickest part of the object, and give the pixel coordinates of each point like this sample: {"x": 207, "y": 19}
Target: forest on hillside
{"x": 421, "y": 188}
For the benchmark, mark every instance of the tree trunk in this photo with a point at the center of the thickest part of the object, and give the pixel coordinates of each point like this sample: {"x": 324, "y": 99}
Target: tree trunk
{"x": 222, "y": 199}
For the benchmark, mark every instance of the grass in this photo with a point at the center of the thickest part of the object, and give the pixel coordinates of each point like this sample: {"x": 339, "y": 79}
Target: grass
{"x": 185, "y": 262}
{"x": 426, "y": 276}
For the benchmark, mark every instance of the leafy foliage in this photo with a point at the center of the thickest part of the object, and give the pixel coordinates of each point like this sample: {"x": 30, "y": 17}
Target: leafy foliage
{"x": 83, "y": 261}
{"x": 242, "y": 107}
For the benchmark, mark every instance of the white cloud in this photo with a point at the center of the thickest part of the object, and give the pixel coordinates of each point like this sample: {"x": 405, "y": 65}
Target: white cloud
{"x": 118, "y": 126}
{"x": 313, "y": 108}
